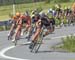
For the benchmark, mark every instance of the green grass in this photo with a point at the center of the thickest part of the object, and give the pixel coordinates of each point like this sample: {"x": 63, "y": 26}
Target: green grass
{"x": 69, "y": 43}
{"x": 6, "y": 10}
{"x": 1, "y": 28}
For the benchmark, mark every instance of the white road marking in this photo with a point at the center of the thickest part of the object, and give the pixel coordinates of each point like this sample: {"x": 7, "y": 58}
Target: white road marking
{"x": 3, "y": 51}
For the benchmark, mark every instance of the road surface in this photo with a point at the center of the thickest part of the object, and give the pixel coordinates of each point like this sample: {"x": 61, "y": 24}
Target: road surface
{"x": 21, "y": 52}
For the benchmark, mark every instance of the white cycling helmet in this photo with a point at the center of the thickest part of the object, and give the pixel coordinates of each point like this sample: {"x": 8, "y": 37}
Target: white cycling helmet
{"x": 26, "y": 13}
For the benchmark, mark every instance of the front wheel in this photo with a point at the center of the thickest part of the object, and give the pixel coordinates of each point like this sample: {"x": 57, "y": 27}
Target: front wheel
{"x": 15, "y": 42}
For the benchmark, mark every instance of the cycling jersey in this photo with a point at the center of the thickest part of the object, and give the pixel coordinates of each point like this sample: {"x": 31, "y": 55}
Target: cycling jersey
{"x": 14, "y": 20}
{"x": 35, "y": 18}
{"x": 59, "y": 10}
{"x": 47, "y": 23}
{"x": 24, "y": 19}
{"x": 44, "y": 21}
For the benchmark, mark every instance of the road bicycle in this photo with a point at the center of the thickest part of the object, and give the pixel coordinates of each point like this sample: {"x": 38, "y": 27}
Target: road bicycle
{"x": 17, "y": 37}
{"x": 11, "y": 34}
{"x": 38, "y": 43}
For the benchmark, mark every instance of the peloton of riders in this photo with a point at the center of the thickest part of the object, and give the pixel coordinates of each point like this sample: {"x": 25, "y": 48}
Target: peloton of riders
{"x": 39, "y": 20}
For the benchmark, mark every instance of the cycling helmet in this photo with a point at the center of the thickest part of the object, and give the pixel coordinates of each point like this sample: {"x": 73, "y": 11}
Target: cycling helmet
{"x": 18, "y": 14}
{"x": 32, "y": 12}
{"x": 57, "y": 6}
{"x": 26, "y": 13}
{"x": 42, "y": 14}
{"x": 65, "y": 7}
{"x": 14, "y": 17}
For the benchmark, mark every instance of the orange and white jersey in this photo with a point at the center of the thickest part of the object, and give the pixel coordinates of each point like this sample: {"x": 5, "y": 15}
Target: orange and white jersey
{"x": 73, "y": 7}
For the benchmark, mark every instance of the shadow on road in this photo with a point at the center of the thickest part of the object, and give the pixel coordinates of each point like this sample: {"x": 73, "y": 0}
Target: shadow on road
{"x": 50, "y": 51}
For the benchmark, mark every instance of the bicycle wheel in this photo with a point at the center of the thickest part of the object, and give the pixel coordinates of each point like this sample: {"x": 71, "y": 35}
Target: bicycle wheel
{"x": 37, "y": 45}
{"x": 17, "y": 38}
{"x": 15, "y": 42}
{"x": 39, "y": 42}
{"x": 11, "y": 34}
{"x": 29, "y": 36}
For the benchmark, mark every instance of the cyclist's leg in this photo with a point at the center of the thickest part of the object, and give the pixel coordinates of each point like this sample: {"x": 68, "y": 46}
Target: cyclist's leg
{"x": 28, "y": 29}
{"x": 34, "y": 37}
{"x": 11, "y": 32}
{"x": 37, "y": 32}
{"x": 11, "y": 29}
{"x": 16, "y": 32}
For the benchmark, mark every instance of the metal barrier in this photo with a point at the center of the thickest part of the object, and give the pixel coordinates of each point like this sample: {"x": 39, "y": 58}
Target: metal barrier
{"x": 5, "y": 24}
{"x": 2, "y": 23}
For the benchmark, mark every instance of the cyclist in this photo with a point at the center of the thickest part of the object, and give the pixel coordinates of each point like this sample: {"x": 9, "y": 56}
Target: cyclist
{"x": 14, "y": 25}
{"x": 23, "y": 19}
{"x": 58, "y": 10}
{"x": 73, "y": 9}
{"x": 18, "y": 14}
{"x": 43, "y": 20}
{"x": 27, "y": 23}
{"x": 73, "y": 14}
{"x": 52, "y": 12}
{"x": 48, "y": 23}
{"x": 67, "y": 11}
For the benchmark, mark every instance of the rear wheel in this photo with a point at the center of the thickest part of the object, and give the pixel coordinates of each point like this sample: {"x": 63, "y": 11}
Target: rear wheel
{"x": 17, "y": 38}
{"x": 15, "y": 42}
{"x": 11, "y": 34}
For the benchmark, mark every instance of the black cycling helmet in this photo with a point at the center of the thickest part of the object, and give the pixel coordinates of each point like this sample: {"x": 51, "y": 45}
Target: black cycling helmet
{"x": 26, "y": 13}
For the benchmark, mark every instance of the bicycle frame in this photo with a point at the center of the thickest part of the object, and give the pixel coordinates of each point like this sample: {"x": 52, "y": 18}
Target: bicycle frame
{"x": 38, "y": 42}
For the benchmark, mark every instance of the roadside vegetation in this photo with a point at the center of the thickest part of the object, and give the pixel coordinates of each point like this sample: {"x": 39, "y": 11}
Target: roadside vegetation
{"x": 68, "y": 43}
{"x": 5, "y": 10}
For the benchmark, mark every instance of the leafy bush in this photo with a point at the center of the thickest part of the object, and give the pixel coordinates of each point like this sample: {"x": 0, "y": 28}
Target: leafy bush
{"x": 57, "y": 22}
{"x": 69, "y": 43}
{"x": 39, "y": 9}
{"x": 65, "y": 21}
{"x": 1, "y": 28}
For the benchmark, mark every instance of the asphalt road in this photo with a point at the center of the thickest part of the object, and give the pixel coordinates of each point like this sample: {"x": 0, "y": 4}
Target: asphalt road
{"x": 21, "y": 52}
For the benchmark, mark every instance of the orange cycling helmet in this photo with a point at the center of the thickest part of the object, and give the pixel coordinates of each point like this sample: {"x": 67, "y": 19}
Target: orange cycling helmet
{"x": 14, "y": 17}
{"x": 18, "y": 14}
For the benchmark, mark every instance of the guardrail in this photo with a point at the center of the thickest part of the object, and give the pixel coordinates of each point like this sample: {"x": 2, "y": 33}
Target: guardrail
{"x": 5, "y": 24}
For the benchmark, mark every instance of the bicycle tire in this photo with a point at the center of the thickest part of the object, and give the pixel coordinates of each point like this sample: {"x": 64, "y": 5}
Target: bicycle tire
{"x": 16, "y": 38}
{"x": 37, "y": 45}
{"x": 15, "y": 42}
{"x": 11, "y": 34}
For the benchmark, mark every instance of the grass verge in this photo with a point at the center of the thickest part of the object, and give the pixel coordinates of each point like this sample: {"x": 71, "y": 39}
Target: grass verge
{"x": 68, "y": 43}
{"x": 6, "y": 10}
